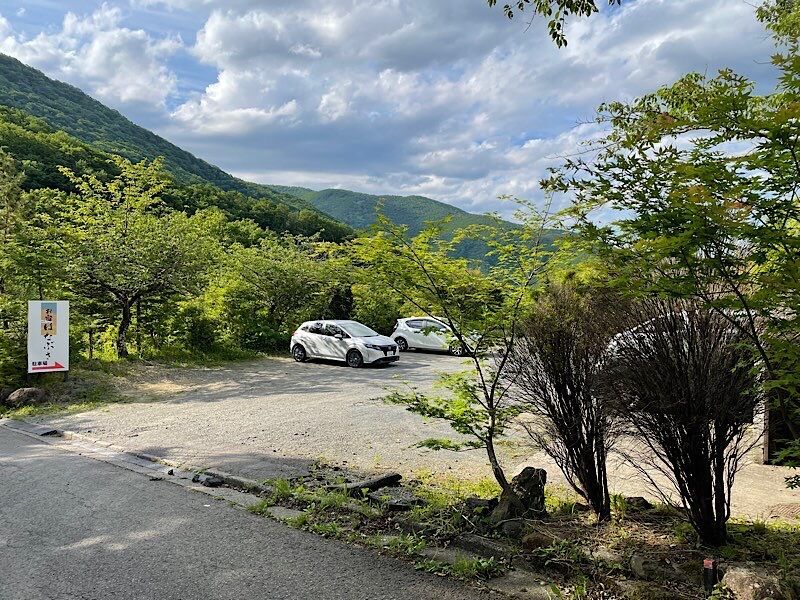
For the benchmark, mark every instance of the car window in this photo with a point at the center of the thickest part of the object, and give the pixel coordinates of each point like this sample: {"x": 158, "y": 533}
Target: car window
{"x": 359, "y": 330}
{"x": 333, "y": 330}
{"x": 316, "y": 328}
{"x": 416, "y": 323}
{"x": 435, "y": 325}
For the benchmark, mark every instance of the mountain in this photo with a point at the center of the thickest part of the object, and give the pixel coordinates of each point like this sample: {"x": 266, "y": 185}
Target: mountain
{"x": 66, "y": 108}
{"x": 359, "y": 210}
{"x": 57, "y": 124}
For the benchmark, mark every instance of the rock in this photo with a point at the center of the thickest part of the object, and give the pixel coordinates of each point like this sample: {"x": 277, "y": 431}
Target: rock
{"x": 528, "y": 486}
{"x": 608, "y": 556}
{"x": 481, "y": 506}
{"x": 639, "y": 590}
{"x": 483, "y": 546}
{"x": 282, "y": 513}
{"x": 513, "y": 529}
{"x": 748, "y": 582}
{"x": 523, "y": 584}
{"x": 212, "y": 481}
{"x": 651, "y": 569}
{"x": 25, "y": 397}
{"x": 537, "y": 539}
{"x": 638, "y": 503}
{"x": 395, "y": 498}
{"x": 356, "y": 488}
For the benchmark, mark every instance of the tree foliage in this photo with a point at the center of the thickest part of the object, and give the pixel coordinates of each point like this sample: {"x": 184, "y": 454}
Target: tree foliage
{"x": 483, "y": 309}
{"x": 556, "y": 11}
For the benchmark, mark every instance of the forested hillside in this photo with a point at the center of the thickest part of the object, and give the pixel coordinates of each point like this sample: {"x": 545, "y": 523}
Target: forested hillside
{"x": 40, "y": 151}
{"x": 96, "y": 131}
{"x": 360, "y": 211}
{"x": 66, "y": 108}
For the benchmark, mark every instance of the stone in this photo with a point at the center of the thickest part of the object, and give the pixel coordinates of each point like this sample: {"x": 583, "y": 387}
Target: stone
{"x": 537, "y": 539}
{"x": 639, "y": 590}
{"x": 483, "y": 546}
{"x": 528, "y": 487}
{"x": 25, "y": 397}
{"x": 282, "y": 513}
{"x": 513, "y": 529}
{"x": 638, "y": 503}
{"x": 481, "y": 506}
{"x": 395, "y": 498}
{"x": 212, "y": 481}
{"x": 356, "y": 488}
{"x": 748, "y": 582}
{"x": 522, "y": 584}
{"x": 651, "y": 569}
{"x": 608, "y": 555}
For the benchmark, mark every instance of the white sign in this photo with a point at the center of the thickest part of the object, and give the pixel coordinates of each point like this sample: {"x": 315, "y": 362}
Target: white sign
{"x": 48, "y": 336}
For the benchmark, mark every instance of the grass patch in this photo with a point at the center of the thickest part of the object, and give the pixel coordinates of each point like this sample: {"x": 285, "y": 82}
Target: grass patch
{"x": 464, "y": 567}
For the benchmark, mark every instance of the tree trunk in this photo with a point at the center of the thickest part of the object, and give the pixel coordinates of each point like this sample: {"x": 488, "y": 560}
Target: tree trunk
{"x": 500, "y": 475}
{"x": 124, "y": 324}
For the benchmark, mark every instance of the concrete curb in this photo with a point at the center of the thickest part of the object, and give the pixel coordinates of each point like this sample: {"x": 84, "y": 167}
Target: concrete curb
{"x": 203, "y": 476}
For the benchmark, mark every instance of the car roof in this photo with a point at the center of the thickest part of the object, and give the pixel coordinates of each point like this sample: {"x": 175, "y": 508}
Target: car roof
{"x": 329, "y": 321}
{"x": 423, "y": 317}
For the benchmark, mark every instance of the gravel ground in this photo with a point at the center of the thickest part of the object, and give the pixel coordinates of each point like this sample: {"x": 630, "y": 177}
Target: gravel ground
{"x": 273, "y": 417}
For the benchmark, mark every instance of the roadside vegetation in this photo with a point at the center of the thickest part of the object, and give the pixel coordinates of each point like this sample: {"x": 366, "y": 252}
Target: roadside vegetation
{"x": 674, "y": 326}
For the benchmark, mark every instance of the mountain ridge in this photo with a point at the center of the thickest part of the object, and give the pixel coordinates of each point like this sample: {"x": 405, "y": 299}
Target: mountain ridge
{"x": 67, "y": 108}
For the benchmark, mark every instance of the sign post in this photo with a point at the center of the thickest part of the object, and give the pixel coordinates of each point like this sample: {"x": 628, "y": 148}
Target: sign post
{"x": 48, "y": 336}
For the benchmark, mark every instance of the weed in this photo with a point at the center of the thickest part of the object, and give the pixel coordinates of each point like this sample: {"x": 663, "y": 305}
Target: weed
{"x": 299, "y": 522}
{"x": 619, "y": 507}
{"x": 262, "y": 507}
{"x": 330, "y": 529}
{"x": 464, "y": 568}
{"x": 439, "y": 444}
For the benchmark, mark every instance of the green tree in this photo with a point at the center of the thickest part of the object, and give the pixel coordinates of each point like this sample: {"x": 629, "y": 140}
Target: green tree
{"x": 702, "y": 177}
{"x": 260, "y": 293}
{"x": 482, "y": 307}
{"x": 123, "y": 246}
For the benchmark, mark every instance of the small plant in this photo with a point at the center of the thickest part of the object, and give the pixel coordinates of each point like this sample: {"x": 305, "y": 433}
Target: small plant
{"x": 464, "y": 568}
{"x": 619, "y": 507}
{"x": 262, "y": 507}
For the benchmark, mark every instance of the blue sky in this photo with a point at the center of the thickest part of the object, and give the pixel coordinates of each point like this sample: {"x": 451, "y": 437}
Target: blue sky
{"x": 445, "y": 99}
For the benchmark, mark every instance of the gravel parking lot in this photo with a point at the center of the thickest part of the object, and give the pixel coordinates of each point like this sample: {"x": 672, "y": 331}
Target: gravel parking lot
{"x": 273, "y": 417}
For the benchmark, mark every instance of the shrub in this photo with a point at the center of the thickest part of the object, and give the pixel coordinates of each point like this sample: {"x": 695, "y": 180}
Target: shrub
{"x": 685, "y": 381}
{"x": 554, "y": 370}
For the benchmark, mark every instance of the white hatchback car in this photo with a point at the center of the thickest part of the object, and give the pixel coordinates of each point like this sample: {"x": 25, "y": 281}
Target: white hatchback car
{"x": 425, "y": 333}
{"x": 350, "y": 341}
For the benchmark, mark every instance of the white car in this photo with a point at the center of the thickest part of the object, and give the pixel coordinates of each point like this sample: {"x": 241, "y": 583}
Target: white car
{"x": 425, "y": 333}
{"x": 349, "y": 341}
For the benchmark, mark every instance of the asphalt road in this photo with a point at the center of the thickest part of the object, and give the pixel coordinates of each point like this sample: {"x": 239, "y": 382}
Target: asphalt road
{"x": 73, "y": 528}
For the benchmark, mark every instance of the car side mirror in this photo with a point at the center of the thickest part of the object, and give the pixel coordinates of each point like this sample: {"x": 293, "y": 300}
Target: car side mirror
{"x": 338, "y": 336}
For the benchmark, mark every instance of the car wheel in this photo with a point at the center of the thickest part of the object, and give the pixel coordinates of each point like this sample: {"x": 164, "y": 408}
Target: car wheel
{"x": 354, "y": 359}
{"x": 402, "y": 344}
{"x": 457, "y": 350}
{"x": 299, "y": 353}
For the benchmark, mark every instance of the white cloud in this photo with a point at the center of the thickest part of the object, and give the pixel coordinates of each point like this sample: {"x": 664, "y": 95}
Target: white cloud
{"x": 446, "y": 98}
{"x": 95, "y": 52}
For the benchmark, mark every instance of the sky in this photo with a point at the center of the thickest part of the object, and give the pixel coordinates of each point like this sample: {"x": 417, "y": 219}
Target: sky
{"x": 442, "y": 98}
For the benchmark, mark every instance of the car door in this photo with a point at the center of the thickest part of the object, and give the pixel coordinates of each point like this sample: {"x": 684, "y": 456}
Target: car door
{"x": 314, "y": 340}
{"x": 437, "y": 334}
{"x": 336, "y": 341}
{"x": 416, "y": 339}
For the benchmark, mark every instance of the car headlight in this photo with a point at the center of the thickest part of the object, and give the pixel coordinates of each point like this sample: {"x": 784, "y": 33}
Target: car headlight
{"x": 373, "y": 346}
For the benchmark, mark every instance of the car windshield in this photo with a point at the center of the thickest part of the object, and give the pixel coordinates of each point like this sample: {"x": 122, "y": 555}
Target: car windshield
{"x": 359, "y": 330}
